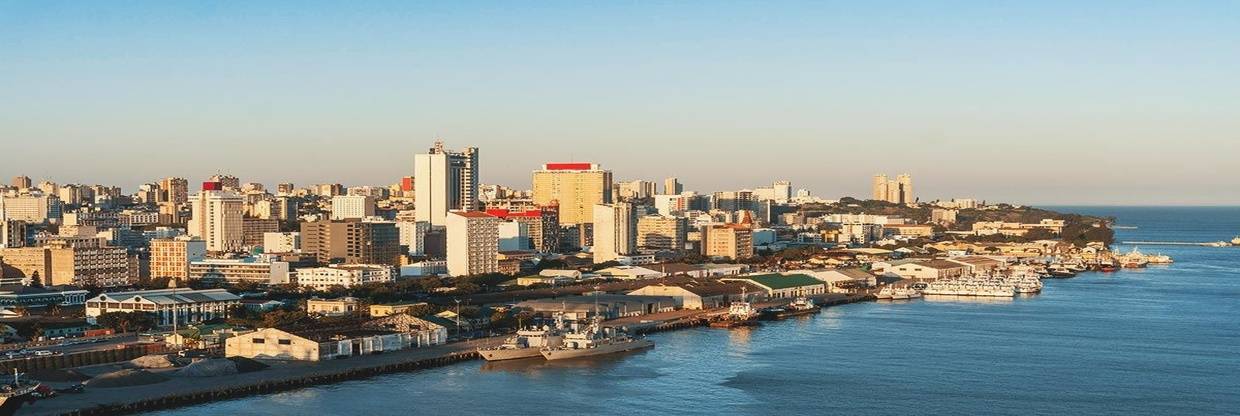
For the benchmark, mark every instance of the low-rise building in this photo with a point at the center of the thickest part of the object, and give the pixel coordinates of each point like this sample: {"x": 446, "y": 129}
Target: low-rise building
{"x": 34, "y": 297}
{"x": 629, "y": 273}
{"x": 929, "y": 269}
{"x": 248, "y": 269}
{"x": 345, "y": 275}
{"x": 780, "y": 286}
{"x": 379, "y": 311}
{"x": 333, "y": 307}
{"x": 392, "y": 333}
{"x": 186, "y": 306}
{"x": 845, "y": 280}
{"x": 699, "y": 294}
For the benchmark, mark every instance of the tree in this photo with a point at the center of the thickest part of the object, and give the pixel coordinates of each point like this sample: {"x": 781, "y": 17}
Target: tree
{"x": 126, "y": 321}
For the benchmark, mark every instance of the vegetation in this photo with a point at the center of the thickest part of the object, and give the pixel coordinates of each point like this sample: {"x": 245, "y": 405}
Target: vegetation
{"x": 127, "y": 321}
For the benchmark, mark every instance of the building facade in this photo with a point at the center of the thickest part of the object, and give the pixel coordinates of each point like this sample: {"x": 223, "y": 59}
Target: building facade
{"x": 473, "y": 243}
{"x": 575, "y": 187}
{"x": 170, "y": 257}
{"x": 217, "y": 217}
{"x": 615, "y": 232}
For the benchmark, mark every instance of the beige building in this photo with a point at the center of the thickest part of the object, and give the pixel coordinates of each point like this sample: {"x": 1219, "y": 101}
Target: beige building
{"x": 247, "y": 269}
{"x": 379, "y": 311}
{"x": 30, "y": 208}
{"x": 78, "y": 262}
{"x": 345, "y": 275}
{"x": 391, "y": 333}
{"x": 656, "y": 232}
{"x": 352, "y": 207}
{"x": 615, "y": 232}
{"x": 929, "y": 270}
{"x": 182, "y": 305}
{"x": 217, "y": 218}
{"x": 170, "y": 257}
{"x": 333, "y": 307}
{"x": 575, "y": 187}
{"x": 352, "y": 242}
{"x": 896, "y": 191}
{"x": 733, "y": 241}
{"x": 473, "y": 243}
{"x": 909, "y": 230}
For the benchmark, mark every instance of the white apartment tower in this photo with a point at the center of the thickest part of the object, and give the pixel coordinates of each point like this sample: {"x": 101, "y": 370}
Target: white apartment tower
{"x": 473, "y": 243}
{"x": 615, "y": 231}
{"x": 445, "y": 181}
{"x": 352, "y": 206}
{"x": 216, "y": 218}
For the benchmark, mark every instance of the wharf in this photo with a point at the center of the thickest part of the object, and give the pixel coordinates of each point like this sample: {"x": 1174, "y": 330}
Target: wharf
{"x": 282, "y": 376}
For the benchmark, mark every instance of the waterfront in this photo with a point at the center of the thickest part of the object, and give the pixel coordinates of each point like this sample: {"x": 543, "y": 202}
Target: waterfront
{"x": 1160, "y": 340}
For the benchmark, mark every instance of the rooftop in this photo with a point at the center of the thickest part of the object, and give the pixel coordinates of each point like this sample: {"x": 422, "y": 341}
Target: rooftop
{"x": 781, "y": 281}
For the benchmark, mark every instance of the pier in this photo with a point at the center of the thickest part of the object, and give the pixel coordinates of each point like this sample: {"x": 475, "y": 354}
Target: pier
{"x": 1171, "y": 243}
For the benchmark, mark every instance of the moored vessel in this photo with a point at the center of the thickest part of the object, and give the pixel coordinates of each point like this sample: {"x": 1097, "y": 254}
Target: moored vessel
{"x": 527, "y": 343}
{"x": 594, "y": 340}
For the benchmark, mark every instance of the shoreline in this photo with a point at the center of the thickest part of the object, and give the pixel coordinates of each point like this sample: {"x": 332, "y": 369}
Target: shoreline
{"x": 285, "y": 376}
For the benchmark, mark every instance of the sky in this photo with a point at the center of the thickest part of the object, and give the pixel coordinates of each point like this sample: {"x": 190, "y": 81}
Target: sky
{"x": 1049, "y": 102}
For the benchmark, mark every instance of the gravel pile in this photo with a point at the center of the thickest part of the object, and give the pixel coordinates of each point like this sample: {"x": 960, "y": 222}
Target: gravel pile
{"x": 153, "y": 361}
{"x": 126, "y": 378}
{"x": 246, "y": 365}
{"x": 213, "y": 367}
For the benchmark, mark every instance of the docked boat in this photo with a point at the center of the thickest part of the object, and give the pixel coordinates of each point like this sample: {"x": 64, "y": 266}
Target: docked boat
{"x": 14, "y": 395}
{"x": 798, "y": 307}
{"x": 740, "y": 313}
{"x": 527, "y": 343}
{"x": 594, "y": 340}
{"x": 1134, "y": 259}
{"x": 971, "y": 286}
{"x": 1160, "y": 259}
{"x": 1060, "y": 271}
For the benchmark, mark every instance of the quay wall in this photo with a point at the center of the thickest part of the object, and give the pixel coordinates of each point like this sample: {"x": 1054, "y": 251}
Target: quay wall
{"x": 81, "y": 359}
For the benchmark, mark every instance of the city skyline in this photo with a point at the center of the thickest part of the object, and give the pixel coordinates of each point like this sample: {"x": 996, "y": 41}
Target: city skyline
{"x": 1100, "y": 103}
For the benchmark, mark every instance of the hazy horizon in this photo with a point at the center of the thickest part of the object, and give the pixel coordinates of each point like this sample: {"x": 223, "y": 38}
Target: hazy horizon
{"x": 1052, "y": 103}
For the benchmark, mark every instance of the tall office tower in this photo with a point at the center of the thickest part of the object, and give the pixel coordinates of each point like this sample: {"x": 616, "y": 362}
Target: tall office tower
{"x": 445, "y": 181}
{"x": 216, "y": 217}
{"x": 473, "y": 243}
{"x": 284, "y": 189}
{"x": 352, "y": 242}
{"x": 352, "y": 206}
{"x": 615, "y": 231}
{"x": 879, "y": 186}
{"x": 174, "y": 190}
{"x": 783, "y": 191}
{"x": 21, "y": 182}
{"x": 657, "y": 232}
{"x": 227, "y": 182}
{"x": 575, "y": 187}
{"x": 672, "y": 186}
{"x": 170, "y": 257}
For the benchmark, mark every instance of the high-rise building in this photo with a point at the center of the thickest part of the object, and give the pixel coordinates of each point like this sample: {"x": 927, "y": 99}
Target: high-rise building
{"x": 733, "y": 241}
{"x": 783, "y": 191}
{"x": 473, "y": 243}
{"x": 174, "y": 190}
{"x": 170, "y": 257}
{"x": 228, "y": 182}
{"x": 413, "y": 235}
{"x": 217, "y": 217}
{"x": 12, "y": 233}
{"x": 352, "y": 206}
{"x": 615, "y": 231}
{"x": 284, "y": 189}
{"x": 254, "y": 229}
{"x": 35, "y": 209}
{"x": 657, "y": 232}
{"x": 575, "y": 187}
{"x": 542, "y": 225}
{"x": 637, "y": 189}
{"x": 21, "y": 182}
{"x": 896, "y": 191}
{"x": 352, "y": 242}
{"x": 76, "y": 261}
{"x": 672, "y": 186}
{"x": 445, "y": 181}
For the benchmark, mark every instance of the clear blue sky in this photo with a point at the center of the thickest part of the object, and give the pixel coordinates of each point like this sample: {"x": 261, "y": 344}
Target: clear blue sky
{"x": 1040, "y": 102}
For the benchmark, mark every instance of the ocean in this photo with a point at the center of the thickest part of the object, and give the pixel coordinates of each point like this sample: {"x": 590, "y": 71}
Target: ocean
{"x": 1157, "y": 341}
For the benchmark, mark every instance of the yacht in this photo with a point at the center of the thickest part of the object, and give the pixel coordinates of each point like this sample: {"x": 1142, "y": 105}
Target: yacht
{"x": 594, "y": 340}
{"x": 527, "y": 343}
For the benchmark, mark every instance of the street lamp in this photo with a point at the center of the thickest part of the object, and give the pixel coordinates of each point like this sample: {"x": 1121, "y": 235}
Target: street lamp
{"x": 458, "y": 317}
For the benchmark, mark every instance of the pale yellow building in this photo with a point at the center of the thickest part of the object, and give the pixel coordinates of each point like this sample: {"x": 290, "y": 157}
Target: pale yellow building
{"x": 170, "y": 257}
{"x": 661, "y": 233}
{"x": 575, "y": 187}
{"x": 734, "y": 241}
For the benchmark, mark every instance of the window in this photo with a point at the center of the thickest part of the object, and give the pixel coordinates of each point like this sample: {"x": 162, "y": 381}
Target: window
{"x": 258, "y": 341}
{"x": 286, "y": 342}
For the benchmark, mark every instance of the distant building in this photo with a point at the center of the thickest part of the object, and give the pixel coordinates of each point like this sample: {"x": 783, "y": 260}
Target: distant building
{"x": 352, "y": 207}
{"x": 217, "y": 217}
{"x": 615, "y": 231}
{"x": 733, "y": 241}
{"x": 473, "y": 243}
{"x": 929, "y": 270}
{"x": 282, "y": 242}
{"x": 779, "y": 286}
{"x": 445, "y": 181}
{"x": 246, "y": 269}
{"x": 333, "y": 307}
{"x": 575, "y": 187}
{"x": 352, "y": 242}
{"x": 672, "y": 186}
{"x": 349, "y": 275}
{"x": 662, "y": 233}
{"x": 171, "y": 257}
{"x": 896, "y": 191}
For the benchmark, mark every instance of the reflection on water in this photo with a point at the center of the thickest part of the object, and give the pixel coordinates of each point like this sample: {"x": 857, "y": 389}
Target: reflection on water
{"x": 536, "y": 365}
{"x": 968, "y": 299}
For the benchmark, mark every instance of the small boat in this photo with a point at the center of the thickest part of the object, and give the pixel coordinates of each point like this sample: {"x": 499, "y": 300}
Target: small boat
{"x": 740, "y": 313}
{"x": 1059, "y": 271}
{"x": 14, "y": 395}
{"x": 798, "y": 307}
{"x": 1107, "y": 267}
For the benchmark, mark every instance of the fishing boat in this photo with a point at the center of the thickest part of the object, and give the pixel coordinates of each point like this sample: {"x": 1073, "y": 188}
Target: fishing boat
{"x": 527, "y": 343}
{"x": 798, "y": 307}
{"x": 593, "y": 340}
{"x": 740, "y": 313}
{"x": 1060, "y": 271}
